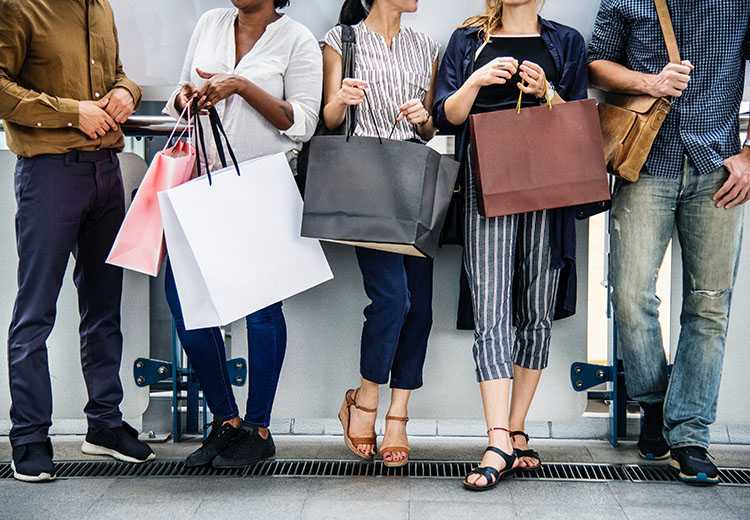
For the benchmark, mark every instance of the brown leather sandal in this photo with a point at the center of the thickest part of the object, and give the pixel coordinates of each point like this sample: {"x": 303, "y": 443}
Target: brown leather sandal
{"x": 395, "y": 449}
{"x": 350, "y": 399}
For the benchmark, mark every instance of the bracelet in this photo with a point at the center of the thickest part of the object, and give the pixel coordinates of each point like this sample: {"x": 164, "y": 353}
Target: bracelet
{"x": 429, "y": 117}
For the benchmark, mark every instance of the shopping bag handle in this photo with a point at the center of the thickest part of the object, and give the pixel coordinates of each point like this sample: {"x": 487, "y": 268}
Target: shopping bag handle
{"x": 188, "y": 128}
{"x": 218, "y": 131}
{"x": 519, "y": 103}
{"x": 201, "y": 144}
{"x": 350, "y": 130}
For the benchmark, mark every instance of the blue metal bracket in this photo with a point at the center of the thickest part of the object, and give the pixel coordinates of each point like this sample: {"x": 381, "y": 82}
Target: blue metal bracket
{"x": 237, "y": 369}
{"x": 585, "y": 375}
{"x": 186, "y": 391}
{"x": 147, "y": 372}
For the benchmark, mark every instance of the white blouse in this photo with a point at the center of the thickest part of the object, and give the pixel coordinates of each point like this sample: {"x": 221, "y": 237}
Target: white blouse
{"x": 286, "y": 62}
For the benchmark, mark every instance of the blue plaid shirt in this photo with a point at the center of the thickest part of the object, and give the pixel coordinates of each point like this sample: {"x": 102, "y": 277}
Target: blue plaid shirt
{"x": 714, "y": 35}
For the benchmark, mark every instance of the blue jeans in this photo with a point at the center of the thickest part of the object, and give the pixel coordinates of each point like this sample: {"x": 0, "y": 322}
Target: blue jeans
{"x": 644, "y": 217}
{"x": 266, "y": 338}
{"x": 398, "y": 321}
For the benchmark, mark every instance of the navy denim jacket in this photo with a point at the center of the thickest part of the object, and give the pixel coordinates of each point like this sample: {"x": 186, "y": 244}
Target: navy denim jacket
{"x": 568, "y": 50}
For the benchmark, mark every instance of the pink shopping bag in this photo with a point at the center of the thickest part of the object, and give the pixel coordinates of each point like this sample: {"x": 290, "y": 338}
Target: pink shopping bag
{"x": 139, "y": 245}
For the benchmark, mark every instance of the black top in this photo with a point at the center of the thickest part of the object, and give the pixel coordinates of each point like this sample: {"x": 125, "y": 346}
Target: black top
{"x": 522, "y": 48}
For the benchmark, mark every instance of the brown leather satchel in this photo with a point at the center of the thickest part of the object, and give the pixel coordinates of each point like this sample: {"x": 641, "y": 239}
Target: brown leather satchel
{"x": 630, "y": 124}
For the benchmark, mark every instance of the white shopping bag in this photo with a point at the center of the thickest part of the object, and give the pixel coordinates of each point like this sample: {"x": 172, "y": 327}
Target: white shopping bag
{"x": 235, "y": 243}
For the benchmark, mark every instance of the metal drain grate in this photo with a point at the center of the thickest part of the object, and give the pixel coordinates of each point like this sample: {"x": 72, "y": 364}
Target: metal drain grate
{"x": 554, "y": 471}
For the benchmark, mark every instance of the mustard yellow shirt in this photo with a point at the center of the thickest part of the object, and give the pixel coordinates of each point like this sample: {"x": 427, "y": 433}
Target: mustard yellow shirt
{"x": 54, "y": 53}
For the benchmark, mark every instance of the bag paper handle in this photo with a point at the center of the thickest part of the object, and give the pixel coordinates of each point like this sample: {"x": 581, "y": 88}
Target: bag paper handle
{"x": 217, "y": 128}
{"x": 350, "y": 131}
{"x": 520, "y": 102}
{"x": 202, "y": 140}
{"x": 188, "y": 128}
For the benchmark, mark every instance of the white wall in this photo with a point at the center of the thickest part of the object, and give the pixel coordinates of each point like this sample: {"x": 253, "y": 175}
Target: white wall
{"x": 153, "y": 41}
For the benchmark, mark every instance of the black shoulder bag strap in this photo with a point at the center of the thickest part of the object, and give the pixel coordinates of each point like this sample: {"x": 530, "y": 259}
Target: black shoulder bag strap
{"x": 349, "y": 69}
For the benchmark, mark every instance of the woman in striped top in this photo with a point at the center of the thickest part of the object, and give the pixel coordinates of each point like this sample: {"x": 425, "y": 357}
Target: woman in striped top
{"x": 395, "y": 70}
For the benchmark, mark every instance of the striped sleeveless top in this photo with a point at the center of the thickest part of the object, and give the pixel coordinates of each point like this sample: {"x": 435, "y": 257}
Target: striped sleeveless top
{"x": 395, "y": 74}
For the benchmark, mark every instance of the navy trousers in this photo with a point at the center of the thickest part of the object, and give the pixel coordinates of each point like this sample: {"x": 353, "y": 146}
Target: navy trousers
{"x": 67, "y": 203}
{"x": 266, "y": 338}
{"x": 398, "y": 321}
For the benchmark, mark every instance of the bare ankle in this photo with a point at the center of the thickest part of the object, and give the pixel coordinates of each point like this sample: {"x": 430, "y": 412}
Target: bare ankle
{"x": 398, "y": 411}
{"x": 500, "y": 439}
{"x": 368, "y": 395}
{"x": 263, "y": 432}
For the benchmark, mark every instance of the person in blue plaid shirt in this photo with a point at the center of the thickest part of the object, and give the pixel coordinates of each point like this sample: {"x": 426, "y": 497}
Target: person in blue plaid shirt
{"x": 696, "y": 180}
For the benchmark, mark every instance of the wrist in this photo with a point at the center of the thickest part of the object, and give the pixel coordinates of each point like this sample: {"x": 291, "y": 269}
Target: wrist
{"x": 648, "y": 85}
{"x": 237, "y": 83}
{"x": 338, "y": 102}
{"x": 425, "y": 122}
{"x": 473, "y": 83}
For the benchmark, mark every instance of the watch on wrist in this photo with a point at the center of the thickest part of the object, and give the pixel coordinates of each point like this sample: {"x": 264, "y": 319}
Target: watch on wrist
{"x": 549, "y": 94}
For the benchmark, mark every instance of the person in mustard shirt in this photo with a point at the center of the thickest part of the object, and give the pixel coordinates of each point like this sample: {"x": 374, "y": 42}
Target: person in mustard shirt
{"x": 63, "y": 95}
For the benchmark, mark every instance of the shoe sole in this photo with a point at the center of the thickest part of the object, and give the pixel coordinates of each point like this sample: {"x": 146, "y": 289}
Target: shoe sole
{"x": 238, "y": 466}
{"x": 701, "y": 479}
{"x": 649, "y": 456}
{"x": 42, "y": 477}
{"x": 92, "y": 449}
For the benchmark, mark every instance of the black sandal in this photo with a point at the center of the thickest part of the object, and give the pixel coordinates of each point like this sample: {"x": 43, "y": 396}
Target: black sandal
{"x": 529, "y": 454}
{"x": 490, "y": 474}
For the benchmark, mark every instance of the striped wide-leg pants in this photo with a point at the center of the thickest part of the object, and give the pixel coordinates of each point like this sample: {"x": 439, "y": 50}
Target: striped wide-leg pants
{"x": 513, "y": 287}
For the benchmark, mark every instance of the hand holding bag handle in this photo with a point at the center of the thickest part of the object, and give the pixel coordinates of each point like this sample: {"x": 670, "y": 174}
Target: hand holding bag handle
{"x": 218, "y": 132}
{"x": 200, "y": 143}
{"x": 217, "y": 128}
{"x": 631, "y": 124}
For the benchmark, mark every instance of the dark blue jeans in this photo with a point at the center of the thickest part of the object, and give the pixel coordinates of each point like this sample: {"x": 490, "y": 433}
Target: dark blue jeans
{"x": 67, "y": 203}
{"x": 398, "y": 321}
{"x": 266, "y": 338}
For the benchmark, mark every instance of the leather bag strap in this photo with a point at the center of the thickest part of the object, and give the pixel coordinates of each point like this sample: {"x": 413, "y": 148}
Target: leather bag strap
{"x": 667, "y": 30}
{"x": 348, "y": 57}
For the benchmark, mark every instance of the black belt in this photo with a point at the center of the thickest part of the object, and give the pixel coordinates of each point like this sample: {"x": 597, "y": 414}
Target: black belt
{"x": 90, "y": 157}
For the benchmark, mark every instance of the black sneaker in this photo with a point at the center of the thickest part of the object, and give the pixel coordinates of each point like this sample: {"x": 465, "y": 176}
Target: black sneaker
{"x": 120, "y": 443}
{"x": 33, "y": 462}
{"x": 247, "y": 448}
{"x": 652, "y": 445}
{"x": 693, "y": 466}
{"x": 218, "y": 439}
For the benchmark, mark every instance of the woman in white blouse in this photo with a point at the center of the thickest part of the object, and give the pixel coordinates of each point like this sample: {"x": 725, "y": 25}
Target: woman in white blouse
{"x": 262, "y": 71}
